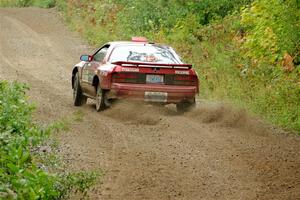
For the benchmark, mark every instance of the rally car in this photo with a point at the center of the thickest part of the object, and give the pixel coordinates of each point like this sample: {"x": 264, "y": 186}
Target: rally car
{"x": 138, "y": 70}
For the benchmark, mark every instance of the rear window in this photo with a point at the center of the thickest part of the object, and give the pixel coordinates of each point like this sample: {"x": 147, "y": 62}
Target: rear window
{"x": 147, "y": 53}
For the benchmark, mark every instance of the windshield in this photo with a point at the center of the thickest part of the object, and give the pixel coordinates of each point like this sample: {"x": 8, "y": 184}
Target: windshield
{"x": 147, "y": 53}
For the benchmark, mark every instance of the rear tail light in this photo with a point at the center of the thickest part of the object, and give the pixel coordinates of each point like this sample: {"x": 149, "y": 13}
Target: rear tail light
{"x": 169, "y": 79}
{"x": 187, "y": 80}
{"x": 128, "y": 77}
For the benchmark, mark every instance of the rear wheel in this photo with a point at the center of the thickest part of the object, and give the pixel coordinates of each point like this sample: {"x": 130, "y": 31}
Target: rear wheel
{"x": 185, "y": 106}
{"x": 101, "y": 99}
{"x": 78, "y": 98}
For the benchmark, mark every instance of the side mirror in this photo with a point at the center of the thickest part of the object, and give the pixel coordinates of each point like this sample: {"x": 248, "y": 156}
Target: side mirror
{"x": 86, "y": 58}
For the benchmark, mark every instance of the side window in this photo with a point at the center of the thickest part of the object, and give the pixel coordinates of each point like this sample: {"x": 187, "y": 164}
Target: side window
{"x": 99, "y": 56}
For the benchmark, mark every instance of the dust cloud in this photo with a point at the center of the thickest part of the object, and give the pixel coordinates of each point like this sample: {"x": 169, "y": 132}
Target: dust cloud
{"x": 217, "y": 113}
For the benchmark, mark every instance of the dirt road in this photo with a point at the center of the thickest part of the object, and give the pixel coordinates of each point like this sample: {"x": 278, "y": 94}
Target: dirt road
{"x": 213, "y": 152}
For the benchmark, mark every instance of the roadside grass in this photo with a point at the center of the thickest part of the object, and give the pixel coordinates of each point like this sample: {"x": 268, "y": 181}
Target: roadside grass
{"x": 29, "y": 164}
{"x": 44, "y": 3}
{"x": 26, "y": 3}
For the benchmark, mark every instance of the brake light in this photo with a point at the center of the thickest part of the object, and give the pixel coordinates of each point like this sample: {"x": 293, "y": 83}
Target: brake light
{"x": 125, "y": 78}
{"x": 187, "y": 80}
{"x": 183, "y": 78}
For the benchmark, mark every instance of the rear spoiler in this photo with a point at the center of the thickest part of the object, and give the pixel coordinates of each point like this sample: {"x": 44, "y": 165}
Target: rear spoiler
{"x": 155, "y": 65}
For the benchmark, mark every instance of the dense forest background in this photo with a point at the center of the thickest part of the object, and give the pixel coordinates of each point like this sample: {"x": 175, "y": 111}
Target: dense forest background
{"x": 246, "y": 52}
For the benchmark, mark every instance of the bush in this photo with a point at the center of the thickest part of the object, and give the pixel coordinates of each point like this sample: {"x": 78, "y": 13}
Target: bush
{"x": 143, "y": 16}
{"x": 26, "y": 3}
{"x": 44, "y": 3}
{"x": 20, "y": 176}
{"x": 272, "y": 29}
{"x": 15, "y": 3}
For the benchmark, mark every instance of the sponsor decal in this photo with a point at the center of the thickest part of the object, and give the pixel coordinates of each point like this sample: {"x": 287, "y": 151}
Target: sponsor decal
{"x": 182, "y": 72}
{"x": 130, "y": 69}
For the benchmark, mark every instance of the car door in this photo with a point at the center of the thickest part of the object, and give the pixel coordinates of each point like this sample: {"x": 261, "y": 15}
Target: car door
{"x": 90, "y": 69}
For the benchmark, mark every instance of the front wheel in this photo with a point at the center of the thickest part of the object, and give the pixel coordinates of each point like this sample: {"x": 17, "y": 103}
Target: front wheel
{"x": 78, "y": 98}
{"x": 185, "y": 106}
{"x": 101, "y": 99}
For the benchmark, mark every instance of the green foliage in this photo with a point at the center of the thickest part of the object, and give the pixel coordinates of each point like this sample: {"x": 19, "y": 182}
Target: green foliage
{"x": 77, "y": 182}
{"x": 147, "y": 15}
{"x": 141, "y": 16}
{"x": 273, "y": 28}
{"x": 272, "y": 31}
{"x": 15, "y": 3}
{"x": 276, "y": 95}
{"x": 19, "y": 177}
{"x": 44, "y": 3}
{"x": 122, "y": 19}
{"x": 26, "y": 3}
{"x": 23, "y": 3}
{"x": 61, "y": 5}
{"x": 20, "y": 174}
{"x": 228, "y": 75}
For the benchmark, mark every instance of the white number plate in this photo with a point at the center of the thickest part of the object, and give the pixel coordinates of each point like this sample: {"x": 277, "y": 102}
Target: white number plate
{"x": 156, "y": 96}
{"x": 153, "y": 78}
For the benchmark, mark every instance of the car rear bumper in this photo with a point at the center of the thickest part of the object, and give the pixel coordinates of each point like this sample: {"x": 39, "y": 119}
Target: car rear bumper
{"x": 153, "y": 92}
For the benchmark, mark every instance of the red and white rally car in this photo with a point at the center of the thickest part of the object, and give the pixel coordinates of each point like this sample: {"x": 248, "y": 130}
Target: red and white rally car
{"x": 135, "y": 70}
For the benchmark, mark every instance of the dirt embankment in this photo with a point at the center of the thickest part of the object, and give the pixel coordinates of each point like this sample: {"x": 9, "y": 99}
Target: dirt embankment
{"x": 214, "y": 152}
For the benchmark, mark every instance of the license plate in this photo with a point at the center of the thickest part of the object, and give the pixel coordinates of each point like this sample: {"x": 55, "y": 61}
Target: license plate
{"x": 153, "y": 78}
{"x": 156, "y": 96}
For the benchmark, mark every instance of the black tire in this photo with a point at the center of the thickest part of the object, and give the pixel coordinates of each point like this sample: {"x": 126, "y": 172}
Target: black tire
{"x": 101, "y": 99}
{"x": 185, "y": 106}
{"x": 78, "y": 98}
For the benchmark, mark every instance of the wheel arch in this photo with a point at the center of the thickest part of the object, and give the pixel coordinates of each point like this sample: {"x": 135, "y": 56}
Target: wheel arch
{"x": 96, "y": 81}
{"x": 75, "y": 70}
